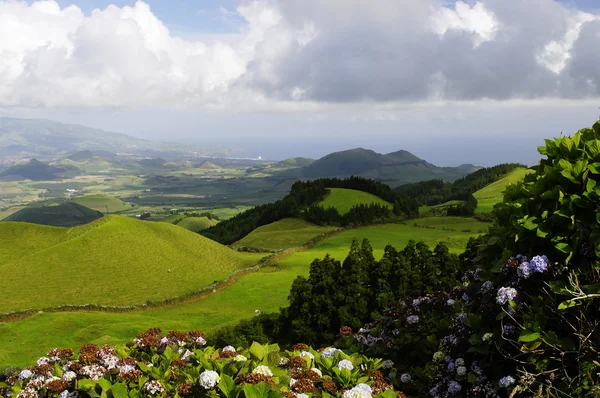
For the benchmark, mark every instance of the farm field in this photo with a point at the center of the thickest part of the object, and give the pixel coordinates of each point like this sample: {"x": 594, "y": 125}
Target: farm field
{"x": 266, "y": 290}
{"x": 343, "y": 199}
{"x": 135, "y": 255}
{"x": 282, "y": 234}
{"x": 488, "y": 196}
{"x": 102, "y": 203}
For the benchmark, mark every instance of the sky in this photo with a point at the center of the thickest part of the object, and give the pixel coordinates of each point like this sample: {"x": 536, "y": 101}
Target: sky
{"x": 454, "y": 82}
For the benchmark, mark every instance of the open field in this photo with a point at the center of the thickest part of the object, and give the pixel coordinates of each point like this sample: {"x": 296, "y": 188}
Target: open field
{"x": 343, "y": 199}
{"x": 282, "y": 234}
{"x": 196, "y": 224}
{"x": 102, "y": 203}
{"x": 423, "y": 210}
{"x": 266, "y": 290}
{"x": 488, "y": 196}
{"x": 115, "y": 260}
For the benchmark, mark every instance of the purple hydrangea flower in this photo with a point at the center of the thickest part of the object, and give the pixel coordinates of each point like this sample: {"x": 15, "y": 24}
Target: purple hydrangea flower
{"x": 506, "y": 381}
{"x": 539, "y": 263}
{"x": 412, "y": 319}
{"x": 405, "y": 378}
{"x": 524, "y": 270}
{"x": 505, "y": 294}
{"x": 453, "y": 387}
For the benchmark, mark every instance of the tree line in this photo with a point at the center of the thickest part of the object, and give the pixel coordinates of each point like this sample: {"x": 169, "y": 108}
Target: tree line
{"x": 302, "y": 202}
{"x": 435, "y": 192}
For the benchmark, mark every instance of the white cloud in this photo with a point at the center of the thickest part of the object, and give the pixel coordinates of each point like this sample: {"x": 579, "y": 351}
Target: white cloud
{"x": 294, "y": 55}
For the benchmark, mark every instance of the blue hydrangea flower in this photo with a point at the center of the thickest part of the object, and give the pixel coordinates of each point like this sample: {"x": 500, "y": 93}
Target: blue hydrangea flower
{"x": 412, "y": 319}
{"x": 506, "y": 381}
{"x": 539, "y": 263}
{"x": 453, "y": 387}
{"x": 505, "y": 294}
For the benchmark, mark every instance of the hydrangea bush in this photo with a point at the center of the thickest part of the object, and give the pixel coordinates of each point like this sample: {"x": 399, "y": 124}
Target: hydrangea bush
{"x": 528, "y": 319}
{"x": 181, "y": 365}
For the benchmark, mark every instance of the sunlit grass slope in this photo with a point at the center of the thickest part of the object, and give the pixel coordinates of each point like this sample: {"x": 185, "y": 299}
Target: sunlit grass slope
{"x": 101, "y": 202}
{"x": 282, "y": 234}
{"x": 113, "y": 261}
{"x": 488, "y": 196}
{"x": 196, "y": 224}
{"x": 343, "y": 199}
{"x": 266, "y": 290}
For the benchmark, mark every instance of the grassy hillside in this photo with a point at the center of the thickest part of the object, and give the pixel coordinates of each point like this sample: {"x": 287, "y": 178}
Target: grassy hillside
{"x": 343, "y": 199}
{"x": 282, "y": 234}
{"x": 488, "y": 196}
{"x": 36, "y": 171}
{"x": 63, "y": 215}
{"x": 101, "y": 202}
{"x": 113, "y": 261}
{"x": 266, "y": 290}
{"x": 196, "y": 224}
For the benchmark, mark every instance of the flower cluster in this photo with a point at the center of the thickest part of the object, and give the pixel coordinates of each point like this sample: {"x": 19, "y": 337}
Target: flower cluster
{"x": 162, "y": 366}
{"x": 505, "y": 294}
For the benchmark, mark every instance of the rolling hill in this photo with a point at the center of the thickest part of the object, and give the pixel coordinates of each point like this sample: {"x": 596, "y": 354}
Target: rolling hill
{"x": 492, "y": 194}
{"x": 282, "y": 234}
{"x": 196, "y": 224}
{"x": 37, "y": 171}
{"x": 102, "y": 202}
{"x": 46, "y": 139}
{"x": 344, "y": 199}
{"x": 394, "y": 168}
{"x": 115, "y": 260}
{"x": 63, "y": 215}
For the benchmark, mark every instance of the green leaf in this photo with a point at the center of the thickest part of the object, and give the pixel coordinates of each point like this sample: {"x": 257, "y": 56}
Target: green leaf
{"x": 119, "y": 390}
{"x": 528, "y": 336}
{"x": 227, "y": 385}
{"x": 258, "y": 351}
{"x": 568, "y": 304}
{"x": 563, "y": 247}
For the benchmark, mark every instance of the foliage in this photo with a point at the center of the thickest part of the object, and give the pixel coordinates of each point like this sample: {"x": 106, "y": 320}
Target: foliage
{"x": 344, "y": 199}
{"x": 178, "y": 365}
{"x": 359, "y": 289}
{"x": 527, "y": 322}
{"x": 303, "y": 197}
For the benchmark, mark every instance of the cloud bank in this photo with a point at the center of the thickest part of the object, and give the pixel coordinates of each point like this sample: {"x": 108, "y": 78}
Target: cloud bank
{"x": 299, "y": 55}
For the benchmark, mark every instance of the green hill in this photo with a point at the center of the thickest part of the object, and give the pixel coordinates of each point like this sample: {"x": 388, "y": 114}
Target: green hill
{"x": 282, "y": 234}
{"x": 196, "y": 224}
{"x": 488, "y": 196}
{"x": 115, "y": 260}
{"x": 63, "y": 215}
{"x": 343, "y": 199}
{"x": 294, "y": 162}
{"x": 101, "y": 202}
{"x": 37, "y": 171}
{"x": 396, "y": 168}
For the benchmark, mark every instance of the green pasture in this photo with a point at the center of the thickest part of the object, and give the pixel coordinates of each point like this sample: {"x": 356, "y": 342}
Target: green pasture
{"x": 343, "y": 199}
{"x": 266, "y": 290}
{"x": 488, "y": 196}
{"x": 102, "y": 203}
{"x": 196, "y": 224}
{"x": 282, "y": 234}
{"x": 115, "y": 260}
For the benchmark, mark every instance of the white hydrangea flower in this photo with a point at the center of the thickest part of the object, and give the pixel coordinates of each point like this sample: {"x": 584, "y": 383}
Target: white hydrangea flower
{"x": 263, "y": 370}
{"x": 306, "y": 354}
{"x": 329, "y": 352}
{"x": 69, "y": 376}
{"x": 461, "y": 371}
{"x": 186, "y": 355}
{"x": 387, "y": 364}
{"x": 25, "y": 374}
{"x": 357, "y": 392}
{"x": 28, "y": 393}
{"x": 154, "y": 387}
{"x": 240, "y": 358}
{"x": 94, "y": 371}
{"x": 301, "y": 395}
{"x": 345, "y": 364}
{"x": 200, "y": 340}
{"x": 283, "y": 361}
{"x": 209, "y": 379}
{"x": 164, "y": 341}
{"x": 228, "y": 348}
{"x": 364, "y": 387}
{"x": 292, "y": 382}
{"x": 64, "y": 394}
{"x": 317, "y": 371}
{"x": 43, "y": 361}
